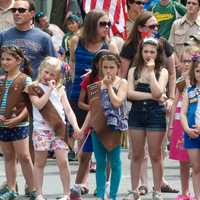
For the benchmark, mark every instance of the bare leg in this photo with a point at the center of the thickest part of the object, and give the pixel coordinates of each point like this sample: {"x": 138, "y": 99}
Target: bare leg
{"x": 10, "y": 164}
{"x": 138, "y": 142}
{"x": 194, "y": 155}
{"x": 154, "y": 140}
{"x": 62, "y": 161}
{"x": 185, "y": 174}
{"x": 22, "y": 149}
{"x": 84, "y": 165}
{"x": 40, "y": 162}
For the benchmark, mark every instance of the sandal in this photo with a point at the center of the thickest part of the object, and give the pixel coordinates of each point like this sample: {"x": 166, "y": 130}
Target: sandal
{"x": 168, "y": 189}
{"x": 143, "y": 190}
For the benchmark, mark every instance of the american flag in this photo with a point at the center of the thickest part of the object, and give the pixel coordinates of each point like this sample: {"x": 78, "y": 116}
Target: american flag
{"x": 116, "y": 10}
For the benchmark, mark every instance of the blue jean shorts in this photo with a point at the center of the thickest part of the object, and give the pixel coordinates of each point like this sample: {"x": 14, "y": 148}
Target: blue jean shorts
{"x": 191, "y": 143}
{"x": 147, "y": 115}
{"x": 13, "y": 134}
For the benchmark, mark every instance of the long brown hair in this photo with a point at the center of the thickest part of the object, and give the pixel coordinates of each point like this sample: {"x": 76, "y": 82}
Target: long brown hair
{"x": 141, "y": 20}
{"x": 139, "y": 61}
{"x": 18, "y": 54}
{"x": 89, "y": 30}
{"x": 195, "y": 64}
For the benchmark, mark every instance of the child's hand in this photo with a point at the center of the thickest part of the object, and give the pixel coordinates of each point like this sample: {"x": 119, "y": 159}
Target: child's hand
{"x": 193, "y": 132}
{"x": 78, "y": 134}
{"x": 52, "y": 84}
{"x": 197, "y": 126}
{"x": 108, "y": 80}
{"x": 10, "y": 123}
{"x": 150, "y": 65}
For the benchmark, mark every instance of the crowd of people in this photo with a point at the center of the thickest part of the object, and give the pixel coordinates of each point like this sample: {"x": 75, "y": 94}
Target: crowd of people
{"x": 80, "y": 85}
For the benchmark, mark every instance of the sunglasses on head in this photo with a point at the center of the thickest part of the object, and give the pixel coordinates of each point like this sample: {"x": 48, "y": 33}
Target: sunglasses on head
{"x": 104, "y": 24}
{"x": 20, "y": 10}
{"x": 153, "y": 26}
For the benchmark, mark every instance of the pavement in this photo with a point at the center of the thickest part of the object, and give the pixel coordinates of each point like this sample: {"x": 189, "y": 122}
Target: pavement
{"x": 52, "y": 185}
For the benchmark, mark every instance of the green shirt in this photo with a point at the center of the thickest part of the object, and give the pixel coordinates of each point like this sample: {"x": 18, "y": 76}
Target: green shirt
{"x": 166, "y": 15}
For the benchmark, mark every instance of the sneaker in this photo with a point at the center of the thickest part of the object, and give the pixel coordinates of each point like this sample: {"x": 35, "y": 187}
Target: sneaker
{"x": 40, "y": 197}
{"x": 75, "y": 192}
{"x": 9, "y": 195}
{"x": 156, "y": 196}
{"x": 32, "y": 195}
{"x": 4, "y": 188}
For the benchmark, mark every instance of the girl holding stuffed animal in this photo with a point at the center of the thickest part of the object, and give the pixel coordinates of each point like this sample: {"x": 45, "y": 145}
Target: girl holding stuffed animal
{"x": 50, "y": 104}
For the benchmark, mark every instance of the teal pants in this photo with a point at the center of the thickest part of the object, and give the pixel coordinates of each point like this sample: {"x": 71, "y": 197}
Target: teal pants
{"x": 102, "y": 155}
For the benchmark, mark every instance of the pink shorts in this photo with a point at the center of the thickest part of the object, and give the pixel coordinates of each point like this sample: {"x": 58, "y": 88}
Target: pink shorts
{"x": 45, "y": 140}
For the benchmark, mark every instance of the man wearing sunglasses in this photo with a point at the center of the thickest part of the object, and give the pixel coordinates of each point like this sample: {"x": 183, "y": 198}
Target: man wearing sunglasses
{"x": 6, "y": 18}
{"x": 35, "y": 43}
{"x": 134, "y": 8}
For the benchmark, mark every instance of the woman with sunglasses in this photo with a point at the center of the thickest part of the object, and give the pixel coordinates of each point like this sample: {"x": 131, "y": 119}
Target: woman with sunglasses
{"x": 146, "y": 25}
{"x": 91, "y": 38}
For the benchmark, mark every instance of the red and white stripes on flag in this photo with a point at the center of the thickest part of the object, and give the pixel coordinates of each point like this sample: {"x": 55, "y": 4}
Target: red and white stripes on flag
{"x": 116, "y": 10}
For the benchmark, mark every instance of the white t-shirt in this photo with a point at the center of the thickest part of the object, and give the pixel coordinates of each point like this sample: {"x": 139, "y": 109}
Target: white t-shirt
{"x": 38, "y": 121}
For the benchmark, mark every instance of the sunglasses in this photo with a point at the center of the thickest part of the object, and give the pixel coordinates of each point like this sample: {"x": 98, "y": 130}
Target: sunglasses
{"x": 191, "y": 3}
{"x": 139, "y": 2}
{"x": 104, "y": 24}
{"x": 153, "y": 26}
{"x": 188, "y": 61}
{"x": 20, "y": 10}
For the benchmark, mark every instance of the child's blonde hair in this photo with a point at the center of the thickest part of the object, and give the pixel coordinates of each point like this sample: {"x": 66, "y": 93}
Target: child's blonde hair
{"x": 189, "y": 50}
{"x": 54, "y": 64}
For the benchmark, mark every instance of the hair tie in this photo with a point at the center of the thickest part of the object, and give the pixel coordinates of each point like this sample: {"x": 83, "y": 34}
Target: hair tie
{"x": 195, "y": 57}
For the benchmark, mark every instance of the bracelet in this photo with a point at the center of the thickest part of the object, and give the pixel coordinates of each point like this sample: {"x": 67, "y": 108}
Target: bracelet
{"x": 171, "y": 127}
{"x": 172, "y": 98}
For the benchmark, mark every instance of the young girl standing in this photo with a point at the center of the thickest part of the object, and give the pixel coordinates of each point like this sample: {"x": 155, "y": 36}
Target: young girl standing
{"x": 106, "y": 138}
{"x": 48, "y": 96}
{"x": 190, "y": 120}
{"x": 175, "y": 133}
{"x": 14, "y": 123}
{"x": 147, "y": 118}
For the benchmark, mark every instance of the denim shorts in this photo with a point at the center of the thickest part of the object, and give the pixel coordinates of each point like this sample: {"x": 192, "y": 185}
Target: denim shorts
{"x": 13, "y": 134}
{"x": 147, "y": 115}
{"x": 191, "y": 143}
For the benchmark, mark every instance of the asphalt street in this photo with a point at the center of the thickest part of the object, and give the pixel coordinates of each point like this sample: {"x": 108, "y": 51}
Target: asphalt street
{"x": 52, "y": 186}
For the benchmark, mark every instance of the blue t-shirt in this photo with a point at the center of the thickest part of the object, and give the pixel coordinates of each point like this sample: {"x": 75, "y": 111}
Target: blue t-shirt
{"x": 35, "y": 43}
